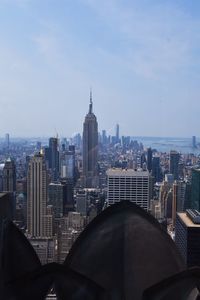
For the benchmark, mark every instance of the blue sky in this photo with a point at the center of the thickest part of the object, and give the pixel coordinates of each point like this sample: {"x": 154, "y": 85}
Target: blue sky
{"x": 141, "y": 57}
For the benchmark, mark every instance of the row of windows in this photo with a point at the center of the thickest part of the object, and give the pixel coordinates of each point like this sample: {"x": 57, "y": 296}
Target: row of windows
{"x": 129, "y": 198}
{"x": 127, "y": 181}
{"x": 138, "y": 188}
{"x": 128, "y": 193}
{"x": 131, "y": 184}
{"x": 128, "y": 178}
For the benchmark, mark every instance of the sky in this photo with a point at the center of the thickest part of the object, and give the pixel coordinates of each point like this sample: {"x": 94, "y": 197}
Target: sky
{"x": 140, "y": 57}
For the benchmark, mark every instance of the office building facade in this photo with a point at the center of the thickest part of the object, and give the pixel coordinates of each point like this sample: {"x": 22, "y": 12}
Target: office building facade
{"x": 187, "y": 236}
{"x": 36, "y": 196}
{"x": 56, "y": 198}
{"x": 128, "y": 184}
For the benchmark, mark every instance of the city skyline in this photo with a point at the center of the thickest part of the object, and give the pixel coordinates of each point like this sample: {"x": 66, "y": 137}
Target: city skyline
{"x": 140, "y": 58}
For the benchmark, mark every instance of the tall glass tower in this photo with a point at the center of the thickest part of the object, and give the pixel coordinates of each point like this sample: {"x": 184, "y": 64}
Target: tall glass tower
{"x": 90, "y": 148}
{"x": 54, "y": 158}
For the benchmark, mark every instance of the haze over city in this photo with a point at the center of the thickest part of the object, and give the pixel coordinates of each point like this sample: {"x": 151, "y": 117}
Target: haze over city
{"x": 141, "y": 59}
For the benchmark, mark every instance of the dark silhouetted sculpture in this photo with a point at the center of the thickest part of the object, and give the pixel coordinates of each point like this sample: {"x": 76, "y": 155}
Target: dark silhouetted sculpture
{"x": 23, "y": 276}
{"x": 125, "y": 250}
{"x": 122, "y": 254}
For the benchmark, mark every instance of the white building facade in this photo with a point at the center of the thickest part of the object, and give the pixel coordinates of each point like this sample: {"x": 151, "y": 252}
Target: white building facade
{"x": 128, "y": 184}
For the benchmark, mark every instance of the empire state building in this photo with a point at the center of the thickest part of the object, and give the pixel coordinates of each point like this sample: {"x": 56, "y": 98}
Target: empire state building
{"x": 90, "y": 148}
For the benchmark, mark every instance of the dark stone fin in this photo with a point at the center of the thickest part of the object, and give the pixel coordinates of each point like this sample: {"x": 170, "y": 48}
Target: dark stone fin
{"x": 181, "y": 286}
{"x": 17, "y": 255}
{"x": 73, "y": 286}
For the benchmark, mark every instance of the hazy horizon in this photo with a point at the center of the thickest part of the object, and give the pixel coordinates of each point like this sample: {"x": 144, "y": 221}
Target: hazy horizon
{"x": 2, "y": 138}
{"x": 141, "y": 59}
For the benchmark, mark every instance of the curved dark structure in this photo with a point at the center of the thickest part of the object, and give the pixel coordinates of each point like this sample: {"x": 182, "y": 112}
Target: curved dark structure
{"x": 180, "y": 286}
{"x": 125, "y": 250}
{"x": 123, "y": 254}
{"x": 24, "y": 278}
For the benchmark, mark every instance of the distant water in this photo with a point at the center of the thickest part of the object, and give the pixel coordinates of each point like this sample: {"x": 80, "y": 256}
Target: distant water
{"x": 165, "y": 144}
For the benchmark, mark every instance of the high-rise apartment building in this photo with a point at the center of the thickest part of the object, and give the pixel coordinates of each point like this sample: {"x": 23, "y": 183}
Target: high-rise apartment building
{"x": 9, "y": 176}
{"x": 90, "y": 148}
{"x": 36, "y": 196}
{"x": 128, "y": 184}
{"x": 174, "y": 164}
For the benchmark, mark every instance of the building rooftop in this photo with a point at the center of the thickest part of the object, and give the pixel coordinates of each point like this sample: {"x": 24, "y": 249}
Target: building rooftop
{"x": 126, "y": 172}
{"x": 188, "y": 222}
{"x": 3, "y": 194}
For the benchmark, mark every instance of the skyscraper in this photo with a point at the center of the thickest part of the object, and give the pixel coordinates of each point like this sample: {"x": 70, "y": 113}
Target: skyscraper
{"x": 90, "y": 148}
{"x": 67, "y": 164}
{"x": 142, "y": 160}
{"x": 81, "y": 202}
{"x": 187, "y": 237}
{"x": 195, "y": 189}
{"x": 149, "y": 159}
{"x": 9, "y": 176}
{"x": 173, "y": 164}
{"x": 7, "y": 141}
{"x": 156, "y": 170}
{"x": 36, "y": 196}
{"x": 194, "y": 143}
{"x": 104, "y": 137}
{"x": 54, "y": 158}
{"x": 56, "y": 198}
{"x": 117, "y": 133}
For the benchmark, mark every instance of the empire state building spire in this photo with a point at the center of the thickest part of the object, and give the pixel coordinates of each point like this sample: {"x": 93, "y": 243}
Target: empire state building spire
{"x": 91, "y": 103}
